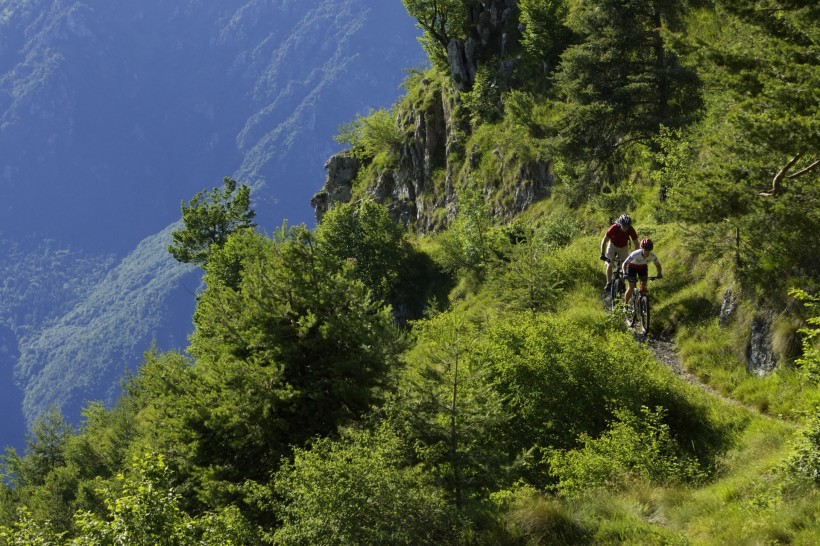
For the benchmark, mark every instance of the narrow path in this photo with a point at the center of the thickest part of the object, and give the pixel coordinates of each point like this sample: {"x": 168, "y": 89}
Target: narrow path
{"x": 665, "y": 352}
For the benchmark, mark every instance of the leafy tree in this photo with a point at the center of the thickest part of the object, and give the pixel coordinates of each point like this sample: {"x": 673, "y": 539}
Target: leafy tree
{"x": 145, "y": 510}
{"x": 772, "y": 81}
{"x": 561, "y": 380}
{"x": 809, "y": 362}
{"x": 754, "y": 169}
{"x": 441, "y": 20}
{"x": 26, "y": 531}
{"x": 634, "y": 447}
{"x": 803, "y": 462}
{"x": 470, "y": 244}
{"x": 545, "y": 36}
{"x": 298, "y": 349}
{"x": 209, "y": 219}
{"x": 525, "y": 280}
{"x": 365, "y": 234}
{"x": 45, "y": 446}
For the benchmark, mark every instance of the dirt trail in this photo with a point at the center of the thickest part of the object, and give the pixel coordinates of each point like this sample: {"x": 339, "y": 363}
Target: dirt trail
{"x": 665, "y": 352}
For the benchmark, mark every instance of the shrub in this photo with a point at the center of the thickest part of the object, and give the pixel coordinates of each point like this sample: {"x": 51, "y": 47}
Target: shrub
{"x": 634, "y": 447}
{"x": 356, "y": 491}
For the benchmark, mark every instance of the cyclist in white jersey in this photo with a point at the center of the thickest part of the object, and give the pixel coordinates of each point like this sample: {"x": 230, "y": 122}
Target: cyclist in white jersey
{"x": 636, "y": 266}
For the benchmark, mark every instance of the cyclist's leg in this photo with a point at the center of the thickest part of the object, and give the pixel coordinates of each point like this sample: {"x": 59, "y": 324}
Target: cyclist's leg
{"x": 610, "y": 256}
{"x": 631, "y": 278}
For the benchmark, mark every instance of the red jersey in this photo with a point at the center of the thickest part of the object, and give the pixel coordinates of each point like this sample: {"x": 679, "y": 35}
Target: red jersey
{"x": 619, "y": 237}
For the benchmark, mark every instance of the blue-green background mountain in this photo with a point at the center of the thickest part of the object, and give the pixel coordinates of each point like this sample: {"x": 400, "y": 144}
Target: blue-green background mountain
{"x": 111, "y": 113}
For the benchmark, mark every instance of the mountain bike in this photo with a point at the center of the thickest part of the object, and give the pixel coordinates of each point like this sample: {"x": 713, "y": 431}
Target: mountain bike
{"x": 637, "y": 314}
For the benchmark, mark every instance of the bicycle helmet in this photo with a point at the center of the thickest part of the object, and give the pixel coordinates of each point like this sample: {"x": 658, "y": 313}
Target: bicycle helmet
{"x": 646, "y": 243}
{"x": 625, "y": 221}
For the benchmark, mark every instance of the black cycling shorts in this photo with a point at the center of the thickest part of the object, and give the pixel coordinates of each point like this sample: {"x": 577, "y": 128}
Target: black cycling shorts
{"x": 633, "y": 273}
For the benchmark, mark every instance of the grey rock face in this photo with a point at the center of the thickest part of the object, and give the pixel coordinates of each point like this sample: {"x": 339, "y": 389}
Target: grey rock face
{"x": 727, "y": 308}
{"x": 761, "y": 360}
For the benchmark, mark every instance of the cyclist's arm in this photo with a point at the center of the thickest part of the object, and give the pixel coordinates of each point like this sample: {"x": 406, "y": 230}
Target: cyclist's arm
{"x": 658, "y": 267}
{"x": 604, "y": 241}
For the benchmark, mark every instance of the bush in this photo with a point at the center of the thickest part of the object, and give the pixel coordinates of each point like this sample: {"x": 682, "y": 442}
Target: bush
{"x": 804, "y": 461}
{"x": 562, "y": 380}
{"x": 634, "y": 447}
{"x": 356, "y": 491}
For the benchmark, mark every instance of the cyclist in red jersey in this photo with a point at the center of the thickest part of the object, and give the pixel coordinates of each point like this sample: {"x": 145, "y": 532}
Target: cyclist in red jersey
{"x": 636, "y": 266}
{"x": 616, "y": 241}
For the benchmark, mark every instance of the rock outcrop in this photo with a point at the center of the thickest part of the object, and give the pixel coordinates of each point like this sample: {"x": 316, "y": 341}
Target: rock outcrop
{"x": 761, "y": 359}
{"x": 419, "y": 188}
{"x": 488, "y": 35}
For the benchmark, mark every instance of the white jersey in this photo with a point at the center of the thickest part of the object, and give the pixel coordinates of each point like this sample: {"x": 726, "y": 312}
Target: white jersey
{"x": 639, "y": 261}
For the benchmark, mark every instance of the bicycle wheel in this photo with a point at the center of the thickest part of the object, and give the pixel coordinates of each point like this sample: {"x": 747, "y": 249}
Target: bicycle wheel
{"x": 615, "y": 290}
{"x": 631, "y": 311}
{"x": 643, "y": 307}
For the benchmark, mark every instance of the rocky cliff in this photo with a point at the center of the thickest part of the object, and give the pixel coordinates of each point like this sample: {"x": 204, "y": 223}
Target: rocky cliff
{"x": 437, "y": 155}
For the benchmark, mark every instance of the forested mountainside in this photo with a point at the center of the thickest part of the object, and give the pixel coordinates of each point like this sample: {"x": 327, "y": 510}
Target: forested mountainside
{"x": 113, "y": 113}
{"x": 436, "y": 361}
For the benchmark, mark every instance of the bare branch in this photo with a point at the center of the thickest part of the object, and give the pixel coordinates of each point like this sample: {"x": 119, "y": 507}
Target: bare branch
{"x": 806, "y": 170}
{"x": 778, "y": 178}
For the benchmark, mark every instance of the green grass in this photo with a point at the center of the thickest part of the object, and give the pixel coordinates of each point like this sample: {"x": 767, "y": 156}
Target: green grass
{"x": 748, "y": 502}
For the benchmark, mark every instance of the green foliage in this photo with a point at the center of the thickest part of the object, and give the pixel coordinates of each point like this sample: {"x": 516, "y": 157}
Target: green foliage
{"x": 470, "y": 244}
{"x": 226, "y": 262}
{"x": 524, "y": 110}
{"x": 530, "y": 518}
{"x": 209, "y": 219}
{"x": 524, "y": 279}
{"x": 621, "y": 82}
{"x": 44, "y": 451}
{"x": 365, "y": 234}
{"x": 483, "y": 101}
{"x": 756, "y": 143}
{"x": 441, "y": 21}
{"x": 28, "y": 532}
{"x": 634, "y": 447}
{"x": 772, "y": 81}
{"x": 358, "y": 490}
{"x": 372, "y": 135}
{"x": 545, "y": 35}
{"x": 803, "y": 463}
{"x": 673, "y": 160}
{"x": 298, "y": 349}
{"x": 145, "y": 510}
{"x": 809, "y": 362}
{"x": 561, "y": 381}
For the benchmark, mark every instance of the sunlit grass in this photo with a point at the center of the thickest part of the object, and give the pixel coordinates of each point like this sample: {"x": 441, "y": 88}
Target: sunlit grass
{"x": 747, "y": 503}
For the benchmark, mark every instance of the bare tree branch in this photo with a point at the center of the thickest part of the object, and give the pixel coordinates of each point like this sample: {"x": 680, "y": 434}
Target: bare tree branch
{"x": 806, "y": 170}
{"x": 778, "y": 178}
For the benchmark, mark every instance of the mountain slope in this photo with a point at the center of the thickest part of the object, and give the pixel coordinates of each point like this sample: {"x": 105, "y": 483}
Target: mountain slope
{"x": 110, "y": 115}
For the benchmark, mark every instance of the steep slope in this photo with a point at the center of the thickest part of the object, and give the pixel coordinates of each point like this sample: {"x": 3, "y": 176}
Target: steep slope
{"x": 110, "y": 115}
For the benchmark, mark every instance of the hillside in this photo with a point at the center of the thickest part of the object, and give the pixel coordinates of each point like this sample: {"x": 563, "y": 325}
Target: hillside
{"x": 110, "y": 116}
{"x": 436, "y": 362}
